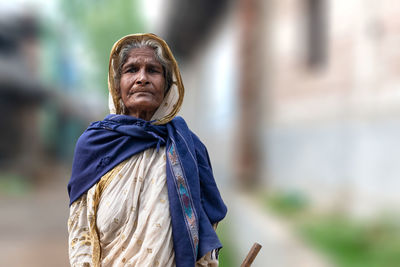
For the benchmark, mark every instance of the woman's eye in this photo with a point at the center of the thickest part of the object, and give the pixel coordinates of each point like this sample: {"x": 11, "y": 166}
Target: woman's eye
{"x": 131, "y": 70}
{"x": 153, "y": 70}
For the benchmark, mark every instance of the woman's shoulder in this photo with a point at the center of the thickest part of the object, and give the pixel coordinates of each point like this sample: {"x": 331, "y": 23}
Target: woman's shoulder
{"x": 93, "y": 134}
{"x": 182, "y": 126}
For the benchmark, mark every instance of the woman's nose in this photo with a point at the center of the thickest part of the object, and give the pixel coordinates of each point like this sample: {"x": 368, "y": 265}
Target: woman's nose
{"x": 142, "y": 77}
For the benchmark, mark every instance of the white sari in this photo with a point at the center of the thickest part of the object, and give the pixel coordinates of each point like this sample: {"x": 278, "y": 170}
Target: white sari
{"x": 133, "y": 224}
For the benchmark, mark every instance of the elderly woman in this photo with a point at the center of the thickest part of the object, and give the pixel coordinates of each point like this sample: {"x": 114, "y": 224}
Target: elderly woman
{"x": 142, "y": 192}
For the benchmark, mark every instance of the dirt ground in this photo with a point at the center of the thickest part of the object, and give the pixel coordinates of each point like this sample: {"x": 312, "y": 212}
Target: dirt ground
{"x": 33, "y": 225}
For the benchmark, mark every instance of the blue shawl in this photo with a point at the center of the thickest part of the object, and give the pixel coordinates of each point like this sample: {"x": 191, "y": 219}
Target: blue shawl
{"x": 194, "y": 200}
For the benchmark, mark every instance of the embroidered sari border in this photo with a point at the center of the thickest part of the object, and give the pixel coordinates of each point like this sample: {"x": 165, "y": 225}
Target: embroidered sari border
{"x": 184, "y": 197}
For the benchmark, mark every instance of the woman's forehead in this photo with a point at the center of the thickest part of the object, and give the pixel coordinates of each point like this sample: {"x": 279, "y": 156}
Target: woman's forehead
{"x": 143, "y": 53}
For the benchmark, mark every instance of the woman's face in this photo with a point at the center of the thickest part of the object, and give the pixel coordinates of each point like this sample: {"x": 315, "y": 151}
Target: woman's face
{"x": 142, "y": 83}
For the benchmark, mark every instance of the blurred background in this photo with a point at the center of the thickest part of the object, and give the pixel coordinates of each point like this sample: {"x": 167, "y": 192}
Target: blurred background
{"x": 298, "y": 102}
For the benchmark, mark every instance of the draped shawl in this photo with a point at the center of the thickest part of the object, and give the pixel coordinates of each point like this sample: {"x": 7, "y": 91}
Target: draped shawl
{"x": 194, "y": 200}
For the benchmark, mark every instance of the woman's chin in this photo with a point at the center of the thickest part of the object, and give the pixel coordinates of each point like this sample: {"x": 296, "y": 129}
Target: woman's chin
{"x": 143, "y": 102}
{"x": 142, "y": 109}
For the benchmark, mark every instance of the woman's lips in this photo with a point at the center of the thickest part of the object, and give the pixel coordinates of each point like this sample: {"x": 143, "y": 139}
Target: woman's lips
{"x": 140, "y": 92}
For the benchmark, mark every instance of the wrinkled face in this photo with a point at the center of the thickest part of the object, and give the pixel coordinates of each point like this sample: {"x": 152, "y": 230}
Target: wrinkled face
{"x": 142, "y": 83}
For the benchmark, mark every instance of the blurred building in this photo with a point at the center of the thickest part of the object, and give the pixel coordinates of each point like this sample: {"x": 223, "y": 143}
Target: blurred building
{"x": 21, "y": 94}
{"x": 332, "y": 112}
{"x": 303, "y": 96}
{"x": 41, "y": 121}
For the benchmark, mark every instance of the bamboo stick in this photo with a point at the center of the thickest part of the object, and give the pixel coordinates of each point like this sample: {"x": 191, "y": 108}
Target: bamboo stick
{"x": 251, "y": 255}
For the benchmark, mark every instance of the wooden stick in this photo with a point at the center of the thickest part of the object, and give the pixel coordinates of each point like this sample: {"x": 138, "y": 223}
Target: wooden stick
{"x": 251, "y": 255}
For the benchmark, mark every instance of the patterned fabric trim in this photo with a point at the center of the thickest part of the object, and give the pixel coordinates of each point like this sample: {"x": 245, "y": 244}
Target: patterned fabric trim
{"x": 184, "y": 197}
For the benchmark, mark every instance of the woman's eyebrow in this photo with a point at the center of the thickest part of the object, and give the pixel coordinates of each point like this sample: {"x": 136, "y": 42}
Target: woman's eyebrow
{"x": 128, "y": 64}
{"x": 154, "y": 65}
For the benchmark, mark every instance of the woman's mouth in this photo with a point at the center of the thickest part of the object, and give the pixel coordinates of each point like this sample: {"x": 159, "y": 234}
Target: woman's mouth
{"x": 138, "y": 92}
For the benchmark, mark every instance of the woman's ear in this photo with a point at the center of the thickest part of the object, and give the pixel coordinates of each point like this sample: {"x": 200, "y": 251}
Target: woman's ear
{"x": 118, "y": 91}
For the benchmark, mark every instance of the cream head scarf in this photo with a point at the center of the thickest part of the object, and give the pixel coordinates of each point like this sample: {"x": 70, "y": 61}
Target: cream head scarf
{"x": 173, "y": 99}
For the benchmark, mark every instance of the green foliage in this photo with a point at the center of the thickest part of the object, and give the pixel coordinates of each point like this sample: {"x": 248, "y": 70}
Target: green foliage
{"x": 102, "y": 23}
{"x": 286, "y": 203}
{"x": 346, "y": 242}
{"x": 352, "y": 244}
{"x": 227, "y": 255}
{"x": 13, "y": 184}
